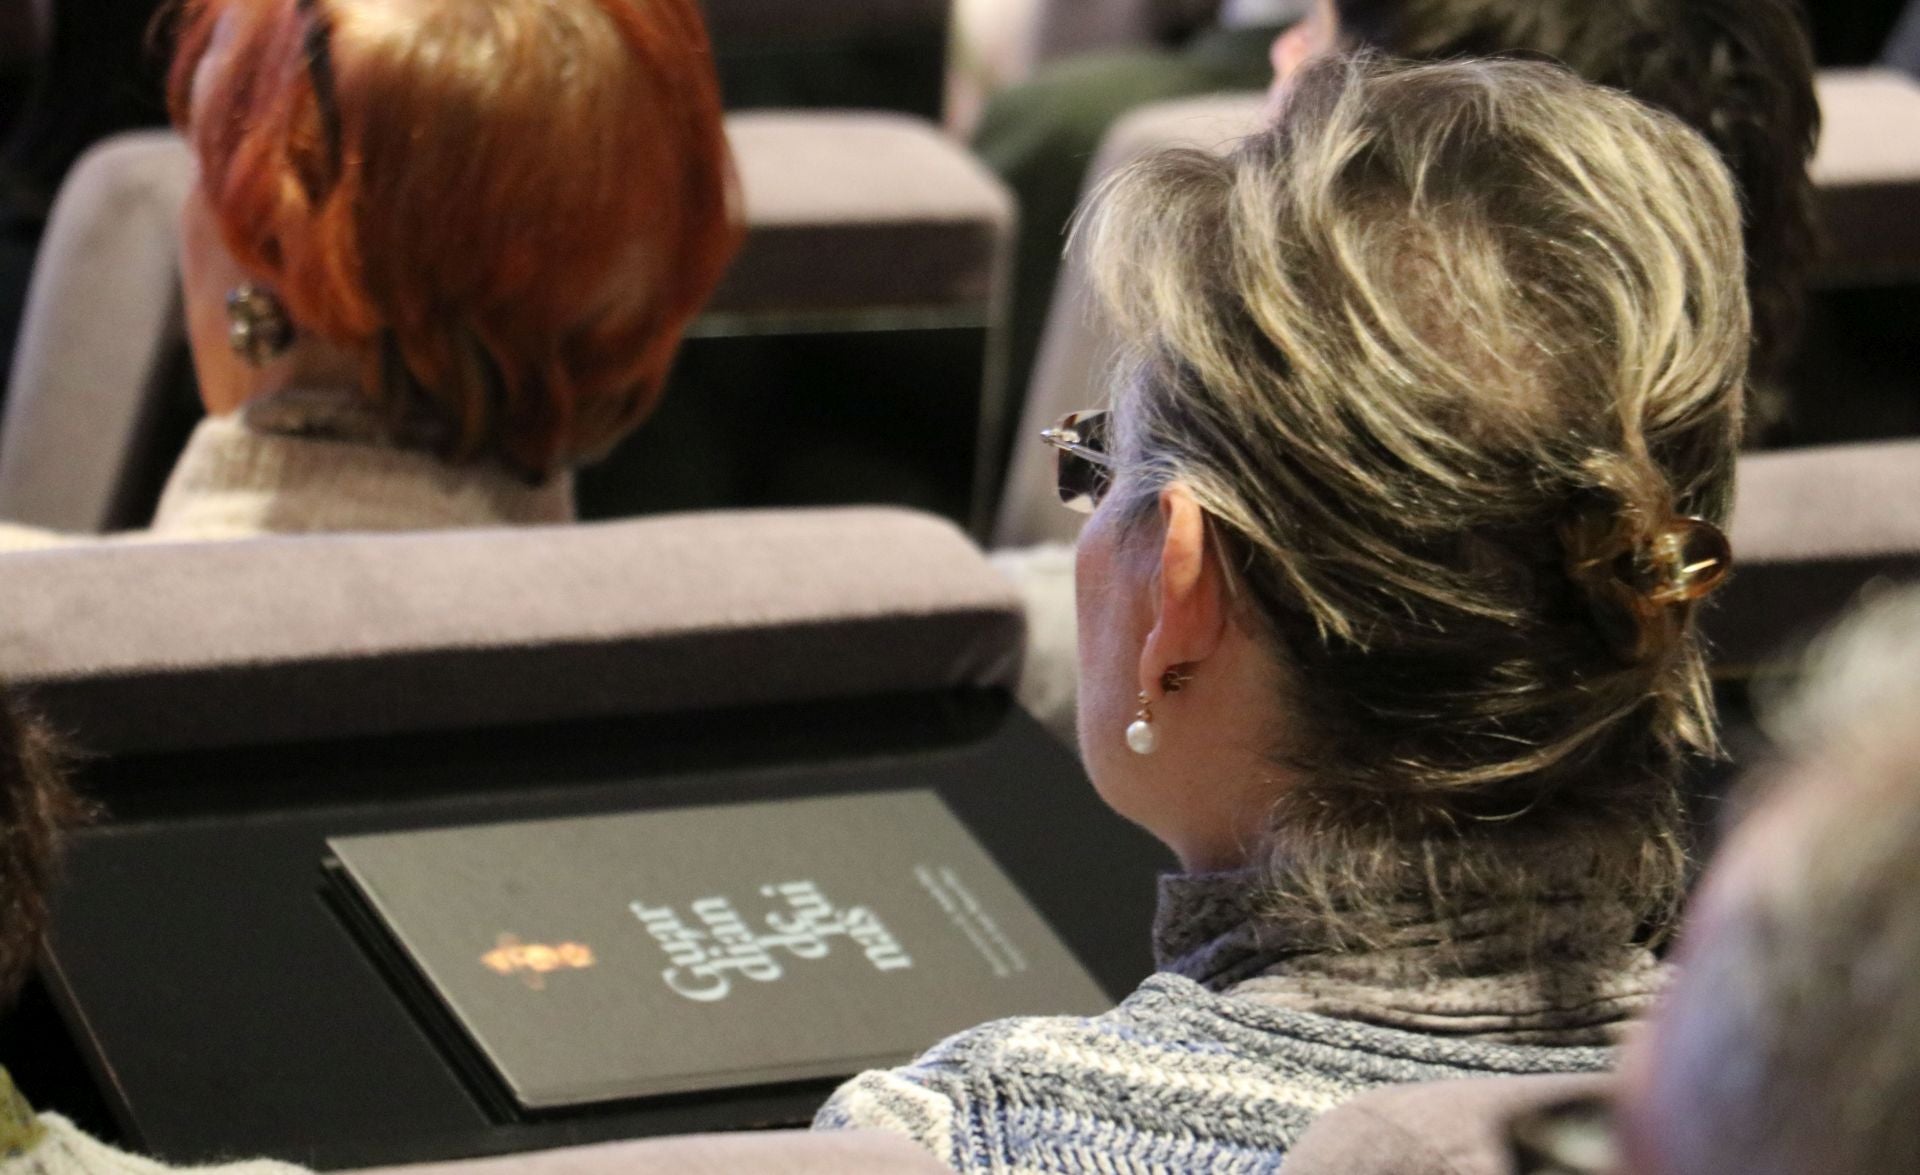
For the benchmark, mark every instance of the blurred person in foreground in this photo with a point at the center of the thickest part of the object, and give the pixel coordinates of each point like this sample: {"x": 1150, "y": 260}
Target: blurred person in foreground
{"x": 1410, "y": 486}
{"x": 438, "y": 253}
{"x": 1789, "y": 1042}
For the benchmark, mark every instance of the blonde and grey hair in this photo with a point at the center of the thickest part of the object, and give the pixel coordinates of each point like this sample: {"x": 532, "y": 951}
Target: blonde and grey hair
{"x": 1395, "y": 345}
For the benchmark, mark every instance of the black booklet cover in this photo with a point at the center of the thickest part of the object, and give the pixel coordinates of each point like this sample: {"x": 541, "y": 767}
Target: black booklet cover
{"x": 623, "y": 956}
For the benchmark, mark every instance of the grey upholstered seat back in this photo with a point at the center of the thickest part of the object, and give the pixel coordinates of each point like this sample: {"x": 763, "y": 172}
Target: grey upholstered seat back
{"x": 145, "y": 646}
{"x": 101, "y": 332}
{"x": 1812, "y": 528}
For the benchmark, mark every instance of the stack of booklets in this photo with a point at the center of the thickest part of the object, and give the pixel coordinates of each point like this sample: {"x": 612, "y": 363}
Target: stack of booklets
{"x": 624, "y": 956}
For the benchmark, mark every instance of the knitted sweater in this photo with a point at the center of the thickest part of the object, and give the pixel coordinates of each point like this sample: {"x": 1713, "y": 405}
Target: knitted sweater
{"x": 1204, "y": 1069}
{"x": 317, "y": 460}
{"x": 47, "y": 1144}
{"x": 304, "y": 461}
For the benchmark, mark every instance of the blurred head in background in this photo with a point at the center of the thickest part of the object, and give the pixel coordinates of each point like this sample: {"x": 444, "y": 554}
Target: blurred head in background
{"x": 1740, "y": 72}
{"x": 493, "y": 218}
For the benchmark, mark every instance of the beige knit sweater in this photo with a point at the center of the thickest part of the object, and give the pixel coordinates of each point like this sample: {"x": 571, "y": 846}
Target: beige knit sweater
{"x": 47, "y": 1144}
{"x": 234, "y": 480}
{"x": 305, "y": 461}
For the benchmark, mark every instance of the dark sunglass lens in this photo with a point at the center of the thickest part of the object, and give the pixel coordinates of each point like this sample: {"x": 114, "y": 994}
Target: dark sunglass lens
{"x": 1082, "y": 482}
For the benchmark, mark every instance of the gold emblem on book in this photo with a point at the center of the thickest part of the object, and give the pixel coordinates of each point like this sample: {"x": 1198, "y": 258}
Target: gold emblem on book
{"x": 534, "y": 961}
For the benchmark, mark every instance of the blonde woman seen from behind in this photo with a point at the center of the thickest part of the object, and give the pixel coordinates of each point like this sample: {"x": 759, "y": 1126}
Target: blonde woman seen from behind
{"x": 1385, "y": 610}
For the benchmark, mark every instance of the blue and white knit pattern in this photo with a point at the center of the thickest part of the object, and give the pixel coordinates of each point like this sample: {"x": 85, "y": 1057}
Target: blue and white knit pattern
{"x": 1177, "y": 1078}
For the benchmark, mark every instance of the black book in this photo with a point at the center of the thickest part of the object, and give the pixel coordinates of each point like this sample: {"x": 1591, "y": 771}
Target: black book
{"x": 624, "y": 956}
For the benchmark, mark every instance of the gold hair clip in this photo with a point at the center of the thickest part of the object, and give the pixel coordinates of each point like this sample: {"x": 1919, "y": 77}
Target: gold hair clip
{"x": 1633, "y": 579}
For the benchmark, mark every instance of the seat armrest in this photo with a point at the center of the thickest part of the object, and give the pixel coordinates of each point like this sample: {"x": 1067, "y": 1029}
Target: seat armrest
{"x": 160, "y": 646}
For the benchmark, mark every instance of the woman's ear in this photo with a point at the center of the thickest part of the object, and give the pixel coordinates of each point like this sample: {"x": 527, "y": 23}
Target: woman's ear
{"x": 1190, "y": 604}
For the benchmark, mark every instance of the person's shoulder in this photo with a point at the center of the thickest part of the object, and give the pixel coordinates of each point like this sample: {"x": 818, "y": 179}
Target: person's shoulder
{"x": 931, "y": 1098}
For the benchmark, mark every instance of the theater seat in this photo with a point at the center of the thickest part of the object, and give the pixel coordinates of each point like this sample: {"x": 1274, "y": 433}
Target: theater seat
{"x": 134, "y": 647}
{"x": 864, "y": 214}
{"x": 1062, "y": 29}
{"x": 1442, "y": 1128}
{"x": 1867, "y": 172}
{"x": 1812, "y": 529}
{"x": 856, "y": 222}
{"x": 781, "y": 1152}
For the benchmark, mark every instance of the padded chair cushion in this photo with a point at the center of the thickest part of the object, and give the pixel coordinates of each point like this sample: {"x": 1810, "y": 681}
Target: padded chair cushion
{"x": 854, "y": 211}
{"x": 1868, "y": 175}
{"x": 1812, "y": 528}
{"x": 102, "y": 318}
{"x": 139, "y": 646}
{"x": 1068, "y": 28}
{"x": 779, "y": 1152}
{"x": 1442, "y": 1128}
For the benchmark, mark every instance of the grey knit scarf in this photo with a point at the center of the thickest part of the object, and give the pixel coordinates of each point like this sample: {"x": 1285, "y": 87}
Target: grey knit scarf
{"x": 1563, "y": 970}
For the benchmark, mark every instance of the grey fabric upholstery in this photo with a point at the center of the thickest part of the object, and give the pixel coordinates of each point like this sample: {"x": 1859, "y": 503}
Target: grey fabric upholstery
{"x": 1867, "y": 170}
{"x": 140, "y": 646}
{"x": 780, "y": 1152}
{"x": 862, "y": 212}
{"x": 1812, "y": 528}
{"x": 1066, "y": 28}
{"x": 1445, "y": 1128}
{"x": 102, "y": 317}
{"x": 1868, "y": 174}
{"x": 1903, "y": 47}
{"x": 847, "y": 214}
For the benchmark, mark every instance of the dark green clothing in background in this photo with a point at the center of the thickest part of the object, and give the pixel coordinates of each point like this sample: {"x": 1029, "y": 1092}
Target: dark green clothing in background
{"x": 1041, "y": 137}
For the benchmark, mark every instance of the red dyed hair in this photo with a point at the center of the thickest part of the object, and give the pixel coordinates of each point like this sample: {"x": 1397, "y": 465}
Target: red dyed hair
{"x": 510, "y": 208}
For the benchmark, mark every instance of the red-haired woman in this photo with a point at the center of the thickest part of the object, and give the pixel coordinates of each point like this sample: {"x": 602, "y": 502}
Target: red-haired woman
{"x": 438, "y": 253}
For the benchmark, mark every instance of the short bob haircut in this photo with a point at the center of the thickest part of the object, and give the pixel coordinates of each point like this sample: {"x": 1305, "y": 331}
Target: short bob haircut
{"x": 1406, "y": 348}
{"x": 510, "y": 209}
{"x": 1739, "y": 72}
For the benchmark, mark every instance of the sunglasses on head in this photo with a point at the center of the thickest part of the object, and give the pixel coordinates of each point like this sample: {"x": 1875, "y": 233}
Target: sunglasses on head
{"x": 1082, "y": 468}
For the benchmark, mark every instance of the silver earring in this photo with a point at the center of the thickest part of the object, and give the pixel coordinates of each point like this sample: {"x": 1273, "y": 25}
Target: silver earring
{"x": 258, "y": 328}
{"x": 1142, "y": 738}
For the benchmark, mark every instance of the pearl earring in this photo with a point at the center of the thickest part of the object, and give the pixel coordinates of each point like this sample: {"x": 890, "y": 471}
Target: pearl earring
{"x": 1142, "y": 738}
